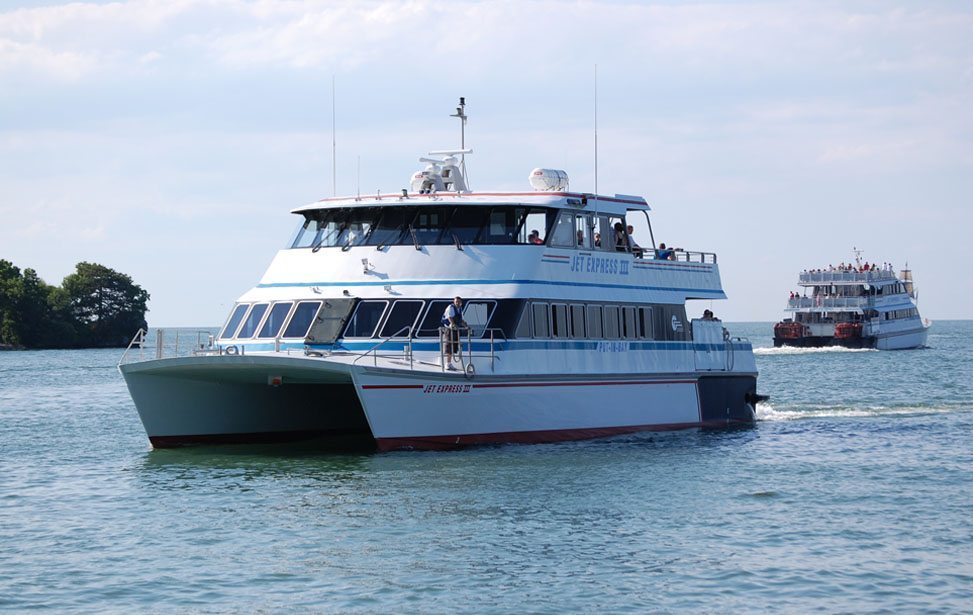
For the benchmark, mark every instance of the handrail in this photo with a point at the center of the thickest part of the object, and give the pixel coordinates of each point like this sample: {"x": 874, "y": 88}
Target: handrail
{"x": 139, "y": 337}
{"x": 846, "y": 276}
{"x": 374, "y": 349}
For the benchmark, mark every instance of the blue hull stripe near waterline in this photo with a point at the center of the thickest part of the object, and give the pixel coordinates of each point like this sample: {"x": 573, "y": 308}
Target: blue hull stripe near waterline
{"x": 488, "y": 282}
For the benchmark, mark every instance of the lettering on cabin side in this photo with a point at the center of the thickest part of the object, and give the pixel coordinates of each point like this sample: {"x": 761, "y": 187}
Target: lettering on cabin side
{"x": 599, "y": 264}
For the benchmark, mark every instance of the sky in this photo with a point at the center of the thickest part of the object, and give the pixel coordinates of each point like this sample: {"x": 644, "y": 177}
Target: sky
{"x": 169, "y": 139}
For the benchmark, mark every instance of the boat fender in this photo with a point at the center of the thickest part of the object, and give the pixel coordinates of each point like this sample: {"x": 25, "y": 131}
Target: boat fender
{"x": 232, "y": 350}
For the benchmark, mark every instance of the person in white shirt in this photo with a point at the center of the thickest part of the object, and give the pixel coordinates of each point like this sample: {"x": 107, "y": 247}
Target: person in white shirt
{"x": 453, "y": 320}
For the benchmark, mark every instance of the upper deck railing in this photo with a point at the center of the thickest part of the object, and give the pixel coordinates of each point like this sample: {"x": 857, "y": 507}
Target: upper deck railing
{"x": 811, "y": 278}
{"x": 827, "y": 302}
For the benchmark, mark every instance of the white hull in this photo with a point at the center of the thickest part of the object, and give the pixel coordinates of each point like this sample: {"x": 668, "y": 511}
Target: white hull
{"x": 228, "y": 399}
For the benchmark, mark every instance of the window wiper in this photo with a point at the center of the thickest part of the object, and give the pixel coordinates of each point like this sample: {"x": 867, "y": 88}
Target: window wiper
{"x": 415, "y": 239}
{"x": 456, "y": 241}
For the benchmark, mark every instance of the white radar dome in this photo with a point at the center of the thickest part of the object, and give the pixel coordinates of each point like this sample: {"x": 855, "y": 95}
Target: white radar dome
{"x": 549, "y": 180}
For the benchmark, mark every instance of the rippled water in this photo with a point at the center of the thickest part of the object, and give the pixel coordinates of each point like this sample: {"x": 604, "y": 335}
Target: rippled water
{"x": 853, "y": 493}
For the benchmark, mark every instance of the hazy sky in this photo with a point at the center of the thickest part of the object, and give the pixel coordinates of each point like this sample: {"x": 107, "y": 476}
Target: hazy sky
{"x": 169, "y": 138}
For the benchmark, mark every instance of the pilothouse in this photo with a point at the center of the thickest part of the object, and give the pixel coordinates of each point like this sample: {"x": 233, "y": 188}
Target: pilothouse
{"x": 566, "y": 327}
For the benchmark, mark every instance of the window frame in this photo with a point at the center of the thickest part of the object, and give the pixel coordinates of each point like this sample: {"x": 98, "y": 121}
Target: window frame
{"x": 378, "y": 323}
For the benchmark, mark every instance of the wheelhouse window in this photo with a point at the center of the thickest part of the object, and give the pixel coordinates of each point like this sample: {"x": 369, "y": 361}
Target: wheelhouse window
{"x": 428, "y": 225}
{"x": 533, "y": 230}
{"x": 433, "y": 225}
{"x": 365, "y": 319}
{"x": 275, "y": 320}
{"x": 401, "y": 319}
{"x": 391, "y": 226}
{"x": 301, "y": 320}
{"x": 356, "y": 226}
{"x": 252, "y": 320}
{"x": 234, "y": 321}
{"x": 563, "y": 235}
{"x": 465, "y": 224}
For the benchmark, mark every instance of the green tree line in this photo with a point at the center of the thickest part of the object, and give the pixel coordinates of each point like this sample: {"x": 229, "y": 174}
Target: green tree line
{"x": 94, "y": 307}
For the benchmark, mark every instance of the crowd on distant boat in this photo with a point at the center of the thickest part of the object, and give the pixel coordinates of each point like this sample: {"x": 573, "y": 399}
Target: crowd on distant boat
{"x": 849, "y": 268}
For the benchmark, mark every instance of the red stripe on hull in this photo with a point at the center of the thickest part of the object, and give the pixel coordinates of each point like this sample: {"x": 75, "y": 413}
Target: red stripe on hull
{"x": 534, "y": 437}
{"x": 533, "y": 384}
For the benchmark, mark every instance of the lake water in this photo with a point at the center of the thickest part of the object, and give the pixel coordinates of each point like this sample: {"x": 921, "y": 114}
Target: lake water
{"x": 854, "y": 493}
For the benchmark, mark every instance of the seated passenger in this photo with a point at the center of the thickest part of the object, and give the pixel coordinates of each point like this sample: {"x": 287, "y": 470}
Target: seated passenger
{"x": 597, "y": 240}
{"x": 535, "y": 238}
{"x": 580, "y": 238}
{"x": 663, "y": 253}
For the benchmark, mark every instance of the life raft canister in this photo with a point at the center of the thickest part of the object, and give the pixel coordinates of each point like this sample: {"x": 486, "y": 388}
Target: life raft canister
{"x": 847, "y": 330}
{"x": 789, "y": 330}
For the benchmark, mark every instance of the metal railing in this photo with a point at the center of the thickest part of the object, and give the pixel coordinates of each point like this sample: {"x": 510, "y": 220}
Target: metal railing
{"x": 397, "y": 335}
{"x": 162, "y": 346}
{"x": 851, "y": 277}
{"x": 827, "y": 302}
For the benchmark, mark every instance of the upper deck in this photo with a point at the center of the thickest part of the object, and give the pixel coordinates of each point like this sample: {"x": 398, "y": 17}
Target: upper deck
{"x": 846, "y": 277}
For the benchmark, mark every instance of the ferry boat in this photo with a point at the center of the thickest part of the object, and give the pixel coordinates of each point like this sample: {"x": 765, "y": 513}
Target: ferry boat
{"x": 568, "y": 330}
{"x": 854, "y": 306}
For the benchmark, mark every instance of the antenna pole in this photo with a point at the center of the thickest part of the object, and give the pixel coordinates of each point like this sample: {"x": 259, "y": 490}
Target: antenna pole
{"x": 334, "y": 145}
{"x": 596, "y": 129}
{"x": 461, "y": 114}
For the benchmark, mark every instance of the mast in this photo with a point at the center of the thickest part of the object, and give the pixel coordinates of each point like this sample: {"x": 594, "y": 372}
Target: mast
{"x": 461, "y": 114}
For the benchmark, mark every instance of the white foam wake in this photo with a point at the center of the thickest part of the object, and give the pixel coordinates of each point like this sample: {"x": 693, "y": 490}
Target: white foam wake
{"x": 787, "y": 350}
{"x": 767, "y": 412}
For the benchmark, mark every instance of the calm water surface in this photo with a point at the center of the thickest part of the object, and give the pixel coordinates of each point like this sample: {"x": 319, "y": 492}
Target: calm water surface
{"x": 853, "y": 494}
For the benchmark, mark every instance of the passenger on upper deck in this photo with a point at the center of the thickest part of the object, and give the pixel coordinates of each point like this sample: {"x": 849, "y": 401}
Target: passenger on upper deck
{"x": 664, "y": 253}
{"x": 634, "y": 247}
{"x": 621, "y": 244}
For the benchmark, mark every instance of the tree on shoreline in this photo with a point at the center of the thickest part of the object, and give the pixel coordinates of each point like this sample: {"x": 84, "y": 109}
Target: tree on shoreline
{"x": 94, "y": 307}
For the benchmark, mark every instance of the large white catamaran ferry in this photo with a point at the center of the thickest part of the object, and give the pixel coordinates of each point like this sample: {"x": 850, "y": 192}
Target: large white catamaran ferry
{"x": 568, "y": 330}
{"x": 860, "y": 305}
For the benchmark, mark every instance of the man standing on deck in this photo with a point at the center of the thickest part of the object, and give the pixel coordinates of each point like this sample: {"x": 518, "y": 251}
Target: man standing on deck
{"x": 453, "y": 320}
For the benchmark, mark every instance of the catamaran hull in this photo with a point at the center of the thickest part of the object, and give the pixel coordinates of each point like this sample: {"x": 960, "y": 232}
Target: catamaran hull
{"x": 202, "y": 400}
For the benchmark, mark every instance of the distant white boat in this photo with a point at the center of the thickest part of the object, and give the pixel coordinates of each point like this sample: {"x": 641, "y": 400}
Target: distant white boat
{"x": 569, "y": 330}
{"x": 855, "y": 306}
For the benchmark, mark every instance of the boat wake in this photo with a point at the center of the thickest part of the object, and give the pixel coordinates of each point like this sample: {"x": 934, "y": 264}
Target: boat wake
{"x": 789, "y": 350}
{"x": 767, "y": 412}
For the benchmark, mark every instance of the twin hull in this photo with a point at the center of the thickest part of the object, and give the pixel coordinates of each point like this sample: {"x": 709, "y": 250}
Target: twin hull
{"x": 220, "y": 399}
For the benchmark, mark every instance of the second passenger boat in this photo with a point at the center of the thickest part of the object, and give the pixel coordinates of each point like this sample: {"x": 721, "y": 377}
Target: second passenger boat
{"x": 571, "y": 330}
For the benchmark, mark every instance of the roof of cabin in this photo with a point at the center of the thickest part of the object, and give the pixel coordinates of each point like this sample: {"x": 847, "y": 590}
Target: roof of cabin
{"x": 617, "y": 204}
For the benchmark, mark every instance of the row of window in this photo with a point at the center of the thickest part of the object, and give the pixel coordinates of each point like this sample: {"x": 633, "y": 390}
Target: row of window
{"x": 551, "y": 320}
{"x": 370, "y": 318}
{"x": 404, "y": 318}
{"x": 463, "y": 225}
{"x": 896, "y": 314}
{"x": 266, "y": 321}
